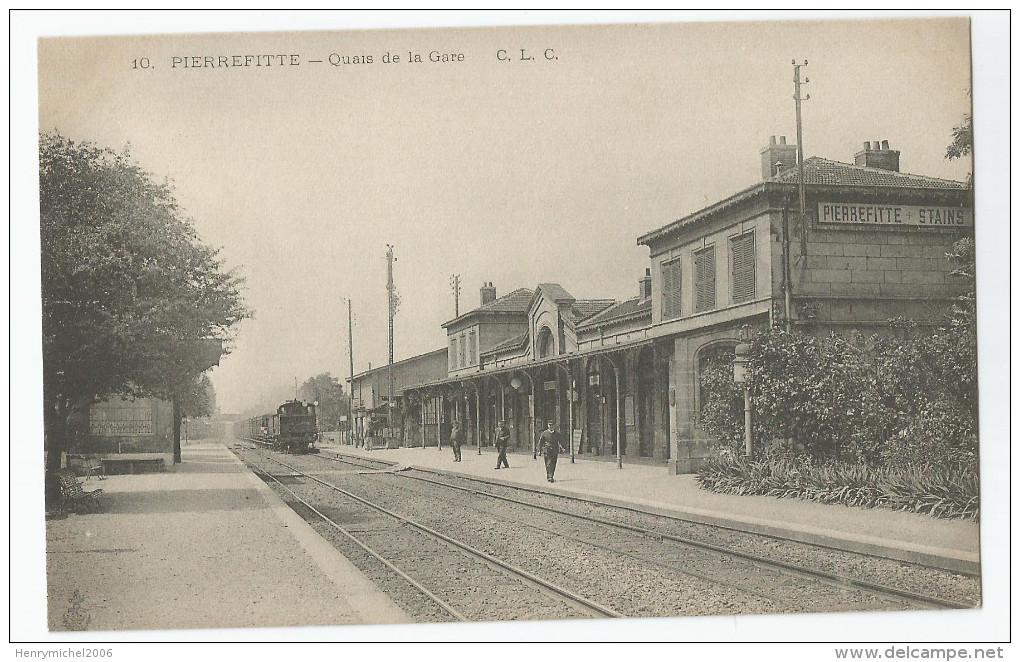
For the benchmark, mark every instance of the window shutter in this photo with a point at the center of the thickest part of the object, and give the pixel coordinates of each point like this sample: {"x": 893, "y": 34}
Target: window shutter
{"x": 743, "y": 267}
{"x": 704, "y": 276}
{"x": 471, "y": 348}
{"x": 453, "y": 353}
{"x": 671, "y": 289}
{"x": 463, "y": 351}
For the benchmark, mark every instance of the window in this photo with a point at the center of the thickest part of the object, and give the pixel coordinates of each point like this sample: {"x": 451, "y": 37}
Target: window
{"x": 472, "y": 348}
{"x": 546, "y": 346}
{"x": 704, "y": 279}
{"x": 453, "y": 353}
{"x": 461, "y": 358}
{"x": 671, "y": 289}
{"x": 742, "y": 248}
{"x": 121, "y": 418}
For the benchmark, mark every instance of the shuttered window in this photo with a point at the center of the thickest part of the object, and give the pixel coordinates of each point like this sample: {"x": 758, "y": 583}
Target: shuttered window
{"x": 671, "y": 289}
{"x": 743, "y": 267}
{"x": 704, "y": 279}
{"x": 461, "y": 358}
{"x": 453, "y": 353}
{"x": 472, "y": 355}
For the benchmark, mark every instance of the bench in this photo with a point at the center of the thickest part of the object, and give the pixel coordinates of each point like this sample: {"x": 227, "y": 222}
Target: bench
{"x": 72, "y": 494}
{"x": 84, "y": 464}
{"x": 131, "y": 465}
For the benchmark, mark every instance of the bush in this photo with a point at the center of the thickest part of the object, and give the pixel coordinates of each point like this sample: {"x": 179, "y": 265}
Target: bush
{"x": 824, "y": 393}
{"x": 722, "y": 411}
{"x": 905, "y": 400}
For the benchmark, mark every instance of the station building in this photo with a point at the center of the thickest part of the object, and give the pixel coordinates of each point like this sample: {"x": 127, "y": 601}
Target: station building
{"x": 623, "y": 377}
{"x": 370, "y": 394}
{"x": 872, "y": 247}
{"x": 541, "y": 354}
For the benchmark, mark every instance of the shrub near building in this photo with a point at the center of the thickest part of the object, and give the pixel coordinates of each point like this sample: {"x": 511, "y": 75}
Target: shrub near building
{"x": 868, "y": 421}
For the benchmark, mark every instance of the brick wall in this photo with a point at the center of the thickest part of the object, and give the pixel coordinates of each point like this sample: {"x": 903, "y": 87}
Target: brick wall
{"x": 880, "y": 263}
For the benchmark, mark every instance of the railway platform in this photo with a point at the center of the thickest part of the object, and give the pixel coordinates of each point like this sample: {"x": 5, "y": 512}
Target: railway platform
{"x": 948, "y": 544}
{"x": 205, "y": 544}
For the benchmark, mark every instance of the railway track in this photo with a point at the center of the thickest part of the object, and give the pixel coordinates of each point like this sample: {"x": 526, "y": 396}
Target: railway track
{"x": 463, "y": 582}
{"x": 654, "y": 543}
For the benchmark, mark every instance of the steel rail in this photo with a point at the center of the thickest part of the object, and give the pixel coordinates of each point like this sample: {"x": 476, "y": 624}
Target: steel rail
{"x": 667, "y": 566}
{"x": 538, "y": 582}
{"x": 675, "y": 518}
{"x": 831, "y": 578}
{"x": 662, "y": 564}
{"x": 346, "y": 460}
{"x": 638, "y": 511}
{"x": 445, "y": 606}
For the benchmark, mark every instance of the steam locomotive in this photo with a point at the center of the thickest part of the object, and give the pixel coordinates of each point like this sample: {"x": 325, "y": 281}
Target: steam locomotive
{"x": 290, "y": 430}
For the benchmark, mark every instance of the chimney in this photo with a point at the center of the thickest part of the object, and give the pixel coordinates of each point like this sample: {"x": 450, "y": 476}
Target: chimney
{"x": 878, "y": 155}
{"x": 645, "y": 284}
{"x": 777, "y": 158}
{"x": 488, "y": 293}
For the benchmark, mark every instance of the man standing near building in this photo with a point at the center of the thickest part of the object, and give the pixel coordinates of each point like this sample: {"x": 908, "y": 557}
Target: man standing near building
{"x": 456, "y": 439}
{"x": 502, "y": 443}
{"x": 550, "y": 443}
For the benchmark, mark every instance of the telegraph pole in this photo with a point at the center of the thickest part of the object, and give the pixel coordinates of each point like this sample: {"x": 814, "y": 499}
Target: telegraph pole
{"x": 350, "y": 355}
{"x": 455, "y": 286}
{"x": 800, "y": 151}
{"x": 391, "y": 293}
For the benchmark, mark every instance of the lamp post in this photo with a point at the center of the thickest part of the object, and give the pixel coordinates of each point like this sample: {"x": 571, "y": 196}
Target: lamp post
{"x": 740, "y": 361}
{"x": 516, "y": 384}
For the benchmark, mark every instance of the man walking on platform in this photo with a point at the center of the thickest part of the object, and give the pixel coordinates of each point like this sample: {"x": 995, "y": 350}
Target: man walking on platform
{"x": 456, "y": 439}
{"x": 502, "y": 443}
{"x": 550, "y": 443}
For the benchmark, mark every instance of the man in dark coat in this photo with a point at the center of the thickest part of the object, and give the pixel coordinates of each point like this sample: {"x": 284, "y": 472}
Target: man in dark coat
{"x": 456, "y": 439}
{"x": 502, "y": 443}
{"x": 550, "y": 443}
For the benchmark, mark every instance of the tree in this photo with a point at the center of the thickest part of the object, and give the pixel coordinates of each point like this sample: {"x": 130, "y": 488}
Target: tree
{"x": 963, "y": 139}
{"x": 329, "y": 393}
{"x": 962, "y": 143}
{"x": 198, "y": 401}
{"x": 131, "y": 298}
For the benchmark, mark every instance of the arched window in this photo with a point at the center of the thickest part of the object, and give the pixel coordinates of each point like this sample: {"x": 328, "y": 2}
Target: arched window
{"x": 546, "y": 346}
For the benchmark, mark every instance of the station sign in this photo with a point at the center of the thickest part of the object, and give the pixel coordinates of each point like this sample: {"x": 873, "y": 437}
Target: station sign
{"x": 841, "y": 213}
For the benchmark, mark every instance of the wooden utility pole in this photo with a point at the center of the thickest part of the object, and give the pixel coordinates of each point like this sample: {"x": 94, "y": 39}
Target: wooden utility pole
{"x": 800, "y": 152}
{"x": 455, "y": 286}
{"x": 391, "y": 295}
{"x": 350, "y": 356}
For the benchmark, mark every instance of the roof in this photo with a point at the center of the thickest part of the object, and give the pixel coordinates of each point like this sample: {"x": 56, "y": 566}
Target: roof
{"x": 514, "y": 342}
{"x": 834, "y": 173}
{"x": 817, "y": 172}
{"x": 619, "y": 312}
{"x": 514, "y": 302}
{"x": 385, "y": 366}
{"x": 585, "y": 308}
{"x": 554, "y": 291}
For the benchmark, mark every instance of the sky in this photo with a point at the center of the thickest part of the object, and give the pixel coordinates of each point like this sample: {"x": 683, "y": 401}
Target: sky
{"x": 511, "y": 171}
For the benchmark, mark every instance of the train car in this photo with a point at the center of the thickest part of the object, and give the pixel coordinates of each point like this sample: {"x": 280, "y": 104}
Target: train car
{"x": 291, "y": 429}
